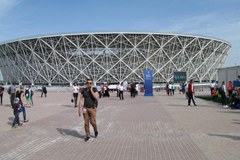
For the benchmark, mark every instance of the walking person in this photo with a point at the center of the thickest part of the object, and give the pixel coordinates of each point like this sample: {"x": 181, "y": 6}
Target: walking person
{"x": 1, "y": 92}
{"x": 31, "y": 92}
{"x": 191, "y": 93}
{"x": 170, "y": 89}
{"x": 133, "y": 90}
{"x": 75, "y": 90}
{"x": 167, "y": 88}
{"x": 117, "y": 88}
{"x": 28, "y": 97}
{"x": 121, "y": 88}
{"x": 88, "y": 106}
{"x": 20, "y": 95}
{"x": 99, "y": 91}
{"x": 16, "y": 111}
{"x": 44, "y": 91}
{"x": 183, "y": 88}
{"x": 223, "y": 92}
{"x": 12, "y": 92}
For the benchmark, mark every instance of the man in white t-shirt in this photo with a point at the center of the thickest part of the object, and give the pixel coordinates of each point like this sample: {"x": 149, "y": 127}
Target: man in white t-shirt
{"x": 212, "y": 85}
{"x": 75, "y": 90}
{"x": 121, "y": 88}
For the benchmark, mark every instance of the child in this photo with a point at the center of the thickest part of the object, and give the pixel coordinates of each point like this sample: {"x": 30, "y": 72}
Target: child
{"x": 16, "y": 111}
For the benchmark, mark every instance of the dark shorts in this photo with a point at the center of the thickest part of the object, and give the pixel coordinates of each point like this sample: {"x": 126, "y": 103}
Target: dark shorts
{"x": 75, "y": 94}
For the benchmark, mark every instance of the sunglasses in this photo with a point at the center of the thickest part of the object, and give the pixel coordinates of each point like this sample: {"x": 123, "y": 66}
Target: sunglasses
{"x": 89, "y": 82}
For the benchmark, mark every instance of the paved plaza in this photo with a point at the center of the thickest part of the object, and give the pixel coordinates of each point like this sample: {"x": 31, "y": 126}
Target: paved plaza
{"x": 143, "y": 128}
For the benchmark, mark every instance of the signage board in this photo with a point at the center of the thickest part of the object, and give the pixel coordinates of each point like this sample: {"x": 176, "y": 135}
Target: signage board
{"x": 179, "y": 77}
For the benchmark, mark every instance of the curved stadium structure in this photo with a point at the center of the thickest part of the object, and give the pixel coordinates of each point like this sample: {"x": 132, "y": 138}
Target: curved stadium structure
{"x": 110, "y": 57}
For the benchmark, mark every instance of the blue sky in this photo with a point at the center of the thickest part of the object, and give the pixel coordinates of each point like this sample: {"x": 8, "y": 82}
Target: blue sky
{"x": 218, "y": 19}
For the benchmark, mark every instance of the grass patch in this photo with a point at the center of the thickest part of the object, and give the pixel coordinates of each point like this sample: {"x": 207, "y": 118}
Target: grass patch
{"x": 209, "y": 98}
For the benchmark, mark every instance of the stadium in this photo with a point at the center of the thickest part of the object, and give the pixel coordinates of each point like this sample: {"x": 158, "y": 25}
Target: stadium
{"x": 110, "y": 57}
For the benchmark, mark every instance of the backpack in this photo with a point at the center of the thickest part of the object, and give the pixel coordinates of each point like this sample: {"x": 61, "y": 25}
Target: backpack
{"x": 27, "y": 93}
{"x": 18, "y": 94}
{"x": 16, "y": 106}
{"x": 220, "y": 90}
{"x": 9, "y": 90}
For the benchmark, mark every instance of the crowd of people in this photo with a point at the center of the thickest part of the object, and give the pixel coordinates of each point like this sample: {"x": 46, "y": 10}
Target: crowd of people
{"x": 235, "y": 99}
{"x": 19, "y": 100}
{"x": 86, "y": 99}
{"x": 21, "y": 97}
{"x": 229, "y": 94}
{"x": 104, "y": 90}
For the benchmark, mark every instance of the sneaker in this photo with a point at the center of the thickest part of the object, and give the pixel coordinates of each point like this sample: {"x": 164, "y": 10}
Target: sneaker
{"x": 86, "y": 139}
{"x": 14, "y": 126}
{"x": 225, "y": 106}
{"x": 189, "y": 105}
{"x": 96, "y": 134}
{"x": 195, "y": 105}
{"x": 26, "y": 120}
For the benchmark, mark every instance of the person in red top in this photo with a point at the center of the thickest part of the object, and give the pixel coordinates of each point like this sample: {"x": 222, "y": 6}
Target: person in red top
{"x": 214, "y": 94}
{"x": 167, "y": 88}
{"x": 191, "y": 93}
{"x": 230, "y": 88}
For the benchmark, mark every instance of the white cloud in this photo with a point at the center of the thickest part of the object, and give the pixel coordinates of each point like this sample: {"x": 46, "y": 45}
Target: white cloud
{"x": 224, "y": 27}
{"x": 191, "y": 24}
{"x": 7, "y": 5}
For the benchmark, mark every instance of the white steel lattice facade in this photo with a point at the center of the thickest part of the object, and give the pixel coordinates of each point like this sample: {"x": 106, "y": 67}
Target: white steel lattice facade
{"x": 110, "y": 57}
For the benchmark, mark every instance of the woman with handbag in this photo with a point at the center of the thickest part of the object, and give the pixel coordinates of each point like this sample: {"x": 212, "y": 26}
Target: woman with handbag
{"x": 75, "y": 90}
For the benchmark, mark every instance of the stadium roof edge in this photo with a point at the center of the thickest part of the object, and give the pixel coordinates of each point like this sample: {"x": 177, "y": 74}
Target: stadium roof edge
{"x": 87, "y": 33}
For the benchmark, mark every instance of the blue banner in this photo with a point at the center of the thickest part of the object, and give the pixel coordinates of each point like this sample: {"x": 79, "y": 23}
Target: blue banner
{"x": 148, "y": 85}
{"x": 236, "y": 84}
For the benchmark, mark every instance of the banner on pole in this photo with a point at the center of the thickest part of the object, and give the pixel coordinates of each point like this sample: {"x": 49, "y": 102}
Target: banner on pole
{"x": 148, "y": 84}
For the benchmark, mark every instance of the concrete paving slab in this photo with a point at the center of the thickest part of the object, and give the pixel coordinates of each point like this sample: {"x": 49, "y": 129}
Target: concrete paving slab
{"x": 158, "y": 127}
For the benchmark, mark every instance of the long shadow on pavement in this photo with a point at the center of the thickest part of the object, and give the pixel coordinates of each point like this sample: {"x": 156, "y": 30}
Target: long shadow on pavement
{"x": 231, "y": 111}
{"x": 233, "y": 137}
{"x": 10, "y": 122}
{"x": 68, "y": 106}
{"x": 70, "y": 132}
